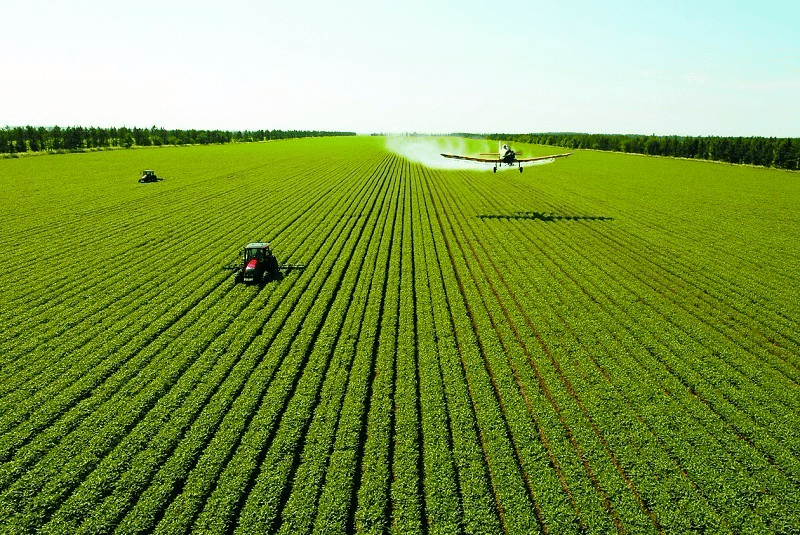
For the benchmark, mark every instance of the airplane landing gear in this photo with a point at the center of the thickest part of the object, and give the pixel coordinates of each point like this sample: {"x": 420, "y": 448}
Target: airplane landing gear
{"x": 495, "y": 168}
{"x": 520, "y": 168}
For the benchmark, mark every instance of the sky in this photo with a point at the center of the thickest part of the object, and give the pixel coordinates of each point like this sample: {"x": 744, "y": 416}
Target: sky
{"x": 682, "y": 67}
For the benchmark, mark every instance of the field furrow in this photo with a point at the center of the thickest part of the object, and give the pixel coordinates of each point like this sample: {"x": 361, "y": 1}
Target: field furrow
{"x": 604, "y": 344}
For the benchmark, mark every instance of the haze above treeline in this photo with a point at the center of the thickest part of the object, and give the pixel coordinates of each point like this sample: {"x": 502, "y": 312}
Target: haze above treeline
{"x": 783, "y": 153}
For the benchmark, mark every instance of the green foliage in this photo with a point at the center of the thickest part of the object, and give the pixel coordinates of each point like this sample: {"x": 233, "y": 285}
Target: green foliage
{"x": 606, "y": 343}
{"x": 77, "y": 138}
{"x": 782, "y": 153}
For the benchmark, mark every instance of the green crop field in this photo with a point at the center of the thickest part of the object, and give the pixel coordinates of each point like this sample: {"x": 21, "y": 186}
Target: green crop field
{"x": 608, "y": 343}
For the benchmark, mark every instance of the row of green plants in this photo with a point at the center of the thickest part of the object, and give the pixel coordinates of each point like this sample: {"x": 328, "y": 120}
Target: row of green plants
{"x": 601, "y": 258}
{"x": 634, "y": 509}
{"x": 119, "y": 384}
{"x": 214, "y": 485}
{"x": 234, "y": 355}
{"x": 333, "y": 418}
{"x": 213, "y": 269}
{"x": 442, "y": 365}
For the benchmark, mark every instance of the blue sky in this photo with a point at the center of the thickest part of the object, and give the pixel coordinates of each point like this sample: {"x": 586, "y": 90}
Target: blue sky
{"x": 677, "y": 67}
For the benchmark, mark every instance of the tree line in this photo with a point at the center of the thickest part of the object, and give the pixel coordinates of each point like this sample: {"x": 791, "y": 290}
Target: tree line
{"x": 20, "y": 139}
{"x": 783, "y": 153}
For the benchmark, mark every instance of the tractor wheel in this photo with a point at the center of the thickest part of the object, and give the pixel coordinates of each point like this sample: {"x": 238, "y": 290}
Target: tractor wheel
{"x": 272, "y": 272}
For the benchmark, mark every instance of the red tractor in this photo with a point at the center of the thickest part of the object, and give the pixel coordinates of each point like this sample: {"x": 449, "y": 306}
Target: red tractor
{"x": 259, "y": 265}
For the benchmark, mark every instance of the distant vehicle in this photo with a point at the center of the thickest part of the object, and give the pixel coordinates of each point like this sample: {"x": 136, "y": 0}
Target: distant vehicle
{"x": 259, "y": 265}
{"x": 148, "y": 175}
{"x": 505, "y": 155}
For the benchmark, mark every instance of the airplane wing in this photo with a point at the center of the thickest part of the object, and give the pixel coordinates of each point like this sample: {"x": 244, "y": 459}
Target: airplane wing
{"x": 472, "y": 158}
{"x": 521, "y": 161}
{"x": 539, "y": 158}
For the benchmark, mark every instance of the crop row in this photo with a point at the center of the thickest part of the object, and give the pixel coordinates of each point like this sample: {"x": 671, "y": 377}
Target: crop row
{"x": 181, "y": 349}
{"x": 108, "y": 342}
{"x": 759, "y": 385}
{"x": 348, "y": 375}
{"x": 186, "y": 481}
{"x": 465, "y": 352}
{"x": 538, "y": 253}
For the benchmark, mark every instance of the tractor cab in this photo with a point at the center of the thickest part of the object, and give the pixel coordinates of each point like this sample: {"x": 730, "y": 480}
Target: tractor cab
{"x": 258, "y": 263}
{"x": 258, "y": 250}
{"x": 148, "y": 175}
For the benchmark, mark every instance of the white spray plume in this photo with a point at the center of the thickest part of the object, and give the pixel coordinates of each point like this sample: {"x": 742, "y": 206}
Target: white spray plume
{"x": 428, "y": 151}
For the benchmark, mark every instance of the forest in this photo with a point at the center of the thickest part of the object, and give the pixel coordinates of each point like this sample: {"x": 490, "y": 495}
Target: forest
{"x": 22, "y": 139}
{"x": 782, "y": 153}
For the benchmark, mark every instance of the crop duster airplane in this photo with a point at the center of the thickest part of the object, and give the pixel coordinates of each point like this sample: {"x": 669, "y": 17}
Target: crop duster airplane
{"x": 506, "y": 156}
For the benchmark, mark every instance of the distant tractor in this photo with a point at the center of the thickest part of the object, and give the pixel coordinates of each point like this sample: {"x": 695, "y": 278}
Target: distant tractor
{"x": 148, "y": 175}
{"x": 259, "y": 265}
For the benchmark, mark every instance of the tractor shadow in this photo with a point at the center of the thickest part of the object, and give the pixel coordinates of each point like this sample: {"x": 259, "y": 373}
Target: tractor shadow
{"x": 548, "y": 218}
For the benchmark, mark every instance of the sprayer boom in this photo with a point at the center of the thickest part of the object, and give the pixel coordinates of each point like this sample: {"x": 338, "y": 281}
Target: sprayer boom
{"x": 259, "y": 265}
